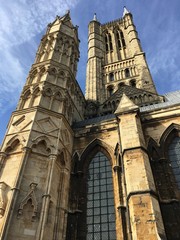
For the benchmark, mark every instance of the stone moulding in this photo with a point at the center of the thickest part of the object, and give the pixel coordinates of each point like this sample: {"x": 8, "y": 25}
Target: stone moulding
{"x": 32, "y": 197}
{"x": 3, "y": 199}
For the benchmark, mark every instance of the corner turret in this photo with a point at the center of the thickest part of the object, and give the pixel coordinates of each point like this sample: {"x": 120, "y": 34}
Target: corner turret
{"x": 94, "y": 64}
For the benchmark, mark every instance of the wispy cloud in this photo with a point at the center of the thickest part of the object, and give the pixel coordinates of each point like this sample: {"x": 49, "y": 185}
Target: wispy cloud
{"x": 159, "y": 32}
{"x": 20, "y": 22}
{"x": 164, "y": 60}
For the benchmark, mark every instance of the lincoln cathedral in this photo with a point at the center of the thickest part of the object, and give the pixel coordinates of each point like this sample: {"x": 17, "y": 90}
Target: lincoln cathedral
{"x": 104, "y": 166}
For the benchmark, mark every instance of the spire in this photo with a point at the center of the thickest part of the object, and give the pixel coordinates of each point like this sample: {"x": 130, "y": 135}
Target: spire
{"x": 125, "y": 11}
{"x": 95, "y": 17}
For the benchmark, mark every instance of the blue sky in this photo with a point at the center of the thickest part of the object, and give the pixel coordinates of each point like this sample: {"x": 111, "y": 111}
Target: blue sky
{"x": 23, "y": 22}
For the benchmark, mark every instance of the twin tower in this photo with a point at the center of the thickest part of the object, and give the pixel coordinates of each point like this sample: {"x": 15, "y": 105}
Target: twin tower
{"x": 93, "y": 167}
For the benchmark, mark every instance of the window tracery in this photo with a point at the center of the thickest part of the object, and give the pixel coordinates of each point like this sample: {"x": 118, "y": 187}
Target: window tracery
{"x": 108, "y": 42}
{"x": 174, "y": 157}
{"x": 100, "y": 200}
{"x": 120, "y": 39}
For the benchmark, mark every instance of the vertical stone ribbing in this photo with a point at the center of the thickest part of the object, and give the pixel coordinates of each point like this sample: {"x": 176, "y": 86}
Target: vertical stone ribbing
{"x": 145, "y": 81}
{"x": 94, "y": 64}
{"x": 42, "y": 124}
{"x": 115, "y": 57}
{"x": 141, "y": 192}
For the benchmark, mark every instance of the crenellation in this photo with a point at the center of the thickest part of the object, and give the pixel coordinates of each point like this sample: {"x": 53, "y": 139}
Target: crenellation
{"x": 112, "y": 23}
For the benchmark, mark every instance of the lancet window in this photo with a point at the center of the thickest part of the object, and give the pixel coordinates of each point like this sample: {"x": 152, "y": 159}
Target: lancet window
{"x": 120, "y": 39}
{"x": 100, "y": 200}
{"x": 174, "y": 157}
{"x": 108, "y": 42}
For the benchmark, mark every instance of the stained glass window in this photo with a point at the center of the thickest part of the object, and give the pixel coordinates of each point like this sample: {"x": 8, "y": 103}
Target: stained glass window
{"x": 174, "y": 156}
{"x": 100, "y": 200}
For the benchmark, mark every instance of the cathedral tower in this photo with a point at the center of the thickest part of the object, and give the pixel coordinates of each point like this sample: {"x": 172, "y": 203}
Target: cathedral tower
{"x": 36, "y": 152}
{"x": 115, "y": 59}
{"x": 101, "y": 168}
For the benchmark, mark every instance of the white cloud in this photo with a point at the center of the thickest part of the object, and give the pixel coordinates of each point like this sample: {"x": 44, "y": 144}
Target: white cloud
{"x": 20, "y": 22}
{"x": 160, "y": 39}
{"x": 163, "y": 61}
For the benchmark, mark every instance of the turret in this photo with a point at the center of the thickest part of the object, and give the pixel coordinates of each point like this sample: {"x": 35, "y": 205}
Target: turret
{"x": 131, "y": 32}
{"x": 60, "y": 44}
{"x": 38, "y": 144}
{"x": 94, "y": 64}
{"x": 51, "y": 82}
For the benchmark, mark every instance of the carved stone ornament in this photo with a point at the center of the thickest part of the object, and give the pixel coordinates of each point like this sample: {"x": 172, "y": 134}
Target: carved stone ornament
{"x": 30, "y": 196}
{"x": 3, "y": 199}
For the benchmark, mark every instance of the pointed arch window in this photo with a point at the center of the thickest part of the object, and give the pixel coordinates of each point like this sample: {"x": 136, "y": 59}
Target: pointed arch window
{"x": 107, "y": 45}
{"x": 120, "y": 39}
{"x": 108, "y": 42}
{"x": 100, "y": 200}
{"x": 174, "y": 157}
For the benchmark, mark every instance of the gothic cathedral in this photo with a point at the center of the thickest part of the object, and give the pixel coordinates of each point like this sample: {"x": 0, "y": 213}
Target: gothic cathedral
{"x": 101, "y": 167}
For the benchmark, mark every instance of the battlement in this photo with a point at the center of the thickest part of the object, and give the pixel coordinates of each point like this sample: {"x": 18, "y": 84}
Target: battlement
{"x": 111, "y": 23}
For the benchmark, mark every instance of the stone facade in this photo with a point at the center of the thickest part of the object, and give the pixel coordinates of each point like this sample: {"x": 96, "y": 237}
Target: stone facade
{"x": 101, "y": 166}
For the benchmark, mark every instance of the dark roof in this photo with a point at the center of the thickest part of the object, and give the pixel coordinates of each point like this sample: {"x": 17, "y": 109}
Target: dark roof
{"x": 171, "y": 99}
{"x": 129, "y": 91}
{"x": 93, "y": 120}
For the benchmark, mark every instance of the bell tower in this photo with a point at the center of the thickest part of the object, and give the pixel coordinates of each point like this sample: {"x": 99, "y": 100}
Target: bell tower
{"x": 101, "y": 168}
{"x": 115, "y": 59}
{"x": 36, "y": 153}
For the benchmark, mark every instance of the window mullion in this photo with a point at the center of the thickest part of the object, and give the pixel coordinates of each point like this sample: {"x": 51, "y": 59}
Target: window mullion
{"x": 100, "y": 182}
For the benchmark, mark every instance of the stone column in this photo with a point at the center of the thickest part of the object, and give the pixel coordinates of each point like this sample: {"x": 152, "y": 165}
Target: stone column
{"x": 121, "y": 226}
{"x": 14, "y": 194}
{"x": 94, "y": 86}
{"x": 145, "y": 215}
{"x": 46, "y": 199}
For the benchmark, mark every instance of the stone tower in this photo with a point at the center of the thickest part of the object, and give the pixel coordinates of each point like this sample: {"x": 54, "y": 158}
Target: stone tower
{"x": 103, "y": 168}
{"x": 36, "y": 152}
{"x": 115, "y": 59}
